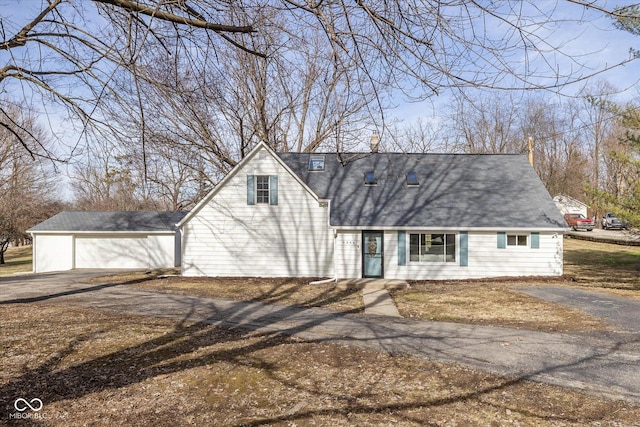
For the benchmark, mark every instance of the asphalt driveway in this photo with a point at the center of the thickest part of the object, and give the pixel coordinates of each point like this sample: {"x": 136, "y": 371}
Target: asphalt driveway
{"x": 623, "y": 313}
{"x": 602, "y": 364}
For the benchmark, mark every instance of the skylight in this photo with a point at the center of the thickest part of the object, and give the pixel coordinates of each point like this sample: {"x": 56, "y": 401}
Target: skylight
{"x": 370, "y": 178}
{"x": 412, "y": 179}
{"x": 316, "y": 163}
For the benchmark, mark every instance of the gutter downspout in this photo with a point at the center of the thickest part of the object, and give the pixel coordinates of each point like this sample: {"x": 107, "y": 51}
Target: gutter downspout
{"x": 335, "y": 266}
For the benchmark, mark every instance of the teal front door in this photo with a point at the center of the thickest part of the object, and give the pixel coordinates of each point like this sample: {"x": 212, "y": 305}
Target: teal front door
{"x": 372, "y": 254}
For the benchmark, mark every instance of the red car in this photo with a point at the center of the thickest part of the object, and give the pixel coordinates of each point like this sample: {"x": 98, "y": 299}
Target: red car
{"x": 579, "y": 222}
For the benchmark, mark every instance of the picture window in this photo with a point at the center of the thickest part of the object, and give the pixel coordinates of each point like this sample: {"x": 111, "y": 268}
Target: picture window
{"x": 425, "y": 247}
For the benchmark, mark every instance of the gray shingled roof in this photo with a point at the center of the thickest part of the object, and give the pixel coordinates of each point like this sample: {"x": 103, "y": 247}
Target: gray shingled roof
{"x": 456, "y": 190}
{"x": 111, "y": 221}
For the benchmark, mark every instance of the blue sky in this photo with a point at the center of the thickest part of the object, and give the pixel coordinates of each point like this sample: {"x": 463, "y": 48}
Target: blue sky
{"x": 587, "y": 36}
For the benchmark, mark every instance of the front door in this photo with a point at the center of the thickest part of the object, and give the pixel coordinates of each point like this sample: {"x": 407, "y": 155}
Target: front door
{"x": 372, "y": 253}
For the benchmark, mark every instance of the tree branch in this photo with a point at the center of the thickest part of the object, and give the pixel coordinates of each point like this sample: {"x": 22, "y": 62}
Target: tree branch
{"x": 171, "y": 17}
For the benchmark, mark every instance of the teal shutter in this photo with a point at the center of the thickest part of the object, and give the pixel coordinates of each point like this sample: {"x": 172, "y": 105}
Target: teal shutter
{"x": 273, "y": 189}
{"x": 502, "y": 240}
{"x": 402, "y": 247}
{"x": 464, "y": 248}
{"x": 535, "y": 240}
{"x": 251, "y": 189}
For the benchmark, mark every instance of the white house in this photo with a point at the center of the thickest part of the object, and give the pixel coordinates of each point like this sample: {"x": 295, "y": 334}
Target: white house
{"x": 110, "y": 240}
{"x": 392, "y": 215}
{"x": 567, "y": 204}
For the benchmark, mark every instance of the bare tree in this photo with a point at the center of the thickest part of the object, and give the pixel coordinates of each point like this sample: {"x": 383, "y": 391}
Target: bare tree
{"x": 108, "y": 180}
{"x": 27, "y": 192}
{"x": 560, "y": 150}
{"x": 66, "y": 54}
{"x": 494, "y": 123}
{"x": 486, "y": 123}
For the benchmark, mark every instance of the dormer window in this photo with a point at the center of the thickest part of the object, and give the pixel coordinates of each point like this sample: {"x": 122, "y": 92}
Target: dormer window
{"x": 316, "y": 163}
{"x": 412, "y": 179}
{"x": 370, "y": 178}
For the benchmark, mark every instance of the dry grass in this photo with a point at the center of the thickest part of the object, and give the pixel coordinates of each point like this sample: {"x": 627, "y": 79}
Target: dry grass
{"x": 283, "y": 291}
{"x": 491, "y": 303}
{"x": 598, "y": 266}
{"x": 604, "y": 266}
{"x": 98, "y": 368}
{"x": 17, "y": 260}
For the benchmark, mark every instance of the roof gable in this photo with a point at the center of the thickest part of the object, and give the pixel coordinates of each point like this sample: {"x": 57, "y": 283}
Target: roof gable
{"x": 454, "y": 191}
{"x": 247, "y": 159}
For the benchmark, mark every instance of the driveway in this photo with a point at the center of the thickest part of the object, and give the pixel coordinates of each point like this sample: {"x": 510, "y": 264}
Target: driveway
{"x": 618, "y": 311}
{"x": 606, "y": 365}
{"x": 622, "y": 237}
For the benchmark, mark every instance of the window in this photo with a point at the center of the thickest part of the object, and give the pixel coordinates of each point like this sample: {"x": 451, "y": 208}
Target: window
{"x": 412, "y": 179}
{"x": 370, "y": 178}
{"x": 262, "y": 189}
{"x": 517, "y": 240}
{"x": 432, "y": 247}
{"x": 316, "y": 163}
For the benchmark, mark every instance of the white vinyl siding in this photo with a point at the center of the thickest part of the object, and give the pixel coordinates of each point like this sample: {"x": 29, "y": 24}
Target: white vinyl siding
{"x": 484, "y": 259}
{"x": 228, "y": 237}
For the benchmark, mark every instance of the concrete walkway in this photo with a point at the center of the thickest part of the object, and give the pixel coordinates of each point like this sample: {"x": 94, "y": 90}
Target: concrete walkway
{"x": 378, "y": 302}
{"x": 596, "y": 363}
{"x": 375, "y": 295}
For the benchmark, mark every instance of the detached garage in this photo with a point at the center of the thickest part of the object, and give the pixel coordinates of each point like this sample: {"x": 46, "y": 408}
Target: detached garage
{"x": 110, "y": 240}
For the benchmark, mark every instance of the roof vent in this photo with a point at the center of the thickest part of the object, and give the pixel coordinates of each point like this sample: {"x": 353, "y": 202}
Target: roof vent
{"x": 375, "y": 142}
{"x": 412, "y": 179}
{"x": 370, "y": 178}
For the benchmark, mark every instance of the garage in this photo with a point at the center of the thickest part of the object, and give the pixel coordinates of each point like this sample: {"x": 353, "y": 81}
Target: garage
{"x": 107, "y": 240}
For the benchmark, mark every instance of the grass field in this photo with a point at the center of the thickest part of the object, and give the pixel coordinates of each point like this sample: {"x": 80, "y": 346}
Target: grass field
{"x": 17, "y": 260}
{"x": 93, "y": 367}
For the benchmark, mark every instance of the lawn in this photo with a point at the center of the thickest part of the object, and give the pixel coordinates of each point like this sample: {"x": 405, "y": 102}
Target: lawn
{"x": 603, "y": 265}
{"x": 17, "y": 260}
{"x": 92, "y": 367}
{"x": 597, "y": 266}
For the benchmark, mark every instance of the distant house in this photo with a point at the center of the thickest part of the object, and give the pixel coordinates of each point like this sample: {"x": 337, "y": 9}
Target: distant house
{"x": 392, "y": 215}
{"x": 568, "y": 204}
{"x": 111, "y": 240}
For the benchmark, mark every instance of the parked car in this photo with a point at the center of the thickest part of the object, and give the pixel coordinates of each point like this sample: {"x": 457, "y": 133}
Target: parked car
{"x": 611, "y": 222}
{"x": 579, "y": 222}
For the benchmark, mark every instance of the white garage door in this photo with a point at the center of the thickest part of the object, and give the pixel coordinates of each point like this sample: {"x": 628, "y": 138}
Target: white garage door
{"x": 112, "y": 252}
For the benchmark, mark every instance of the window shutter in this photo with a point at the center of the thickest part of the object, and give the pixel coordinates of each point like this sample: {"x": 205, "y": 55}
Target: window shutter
{"x": 273, "y": 189}
{"x": 464, "y": 248}
{"x": 402, "y": 247}
{"x": 502, "y": 240}
{"x": 535, "y": 240}
{"x": 251, "y": 190}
